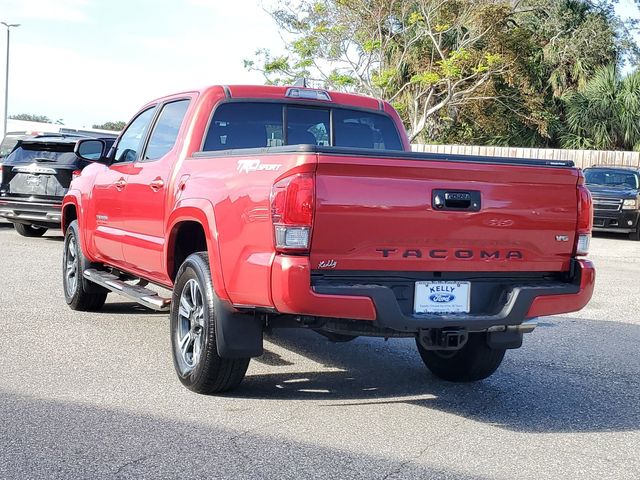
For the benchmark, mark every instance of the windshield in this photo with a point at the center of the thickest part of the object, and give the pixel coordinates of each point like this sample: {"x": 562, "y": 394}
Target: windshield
{"x": 612, "y": 178}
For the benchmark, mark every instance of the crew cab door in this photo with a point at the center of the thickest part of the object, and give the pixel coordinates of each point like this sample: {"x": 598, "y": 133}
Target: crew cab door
{"x": 110, "y": 190}
{"x": 147, "y": 193}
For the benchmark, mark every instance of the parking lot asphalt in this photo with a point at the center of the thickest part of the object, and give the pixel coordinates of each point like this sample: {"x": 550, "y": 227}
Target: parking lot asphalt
{"x": 94, "y": 395}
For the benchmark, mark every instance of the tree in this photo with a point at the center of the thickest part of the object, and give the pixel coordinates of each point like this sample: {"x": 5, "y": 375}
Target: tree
{"x": 562, "y": 43}
{"x": 422, "y": 55}
{"x": 31, "y": 118}
{"x": 115, "y": 126}
{"x": 604, "y": 113}
{"x": 470, "y": 71}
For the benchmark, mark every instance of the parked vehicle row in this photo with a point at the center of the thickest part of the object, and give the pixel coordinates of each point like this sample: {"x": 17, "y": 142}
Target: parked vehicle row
{"x": 277, "y": 207}
{"x": 36, "y": 175}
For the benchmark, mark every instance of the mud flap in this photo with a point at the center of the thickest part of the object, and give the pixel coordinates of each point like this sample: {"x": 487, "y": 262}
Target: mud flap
{"x": 509, "y": 339}
{"x": 238, "y": 335}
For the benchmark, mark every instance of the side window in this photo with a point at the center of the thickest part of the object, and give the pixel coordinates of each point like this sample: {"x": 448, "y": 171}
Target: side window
{"x": 165, "y": 132}
{"x": 131, "y": 140}
{"x": 307, "y": 126}
{"x": 245, "y": 125}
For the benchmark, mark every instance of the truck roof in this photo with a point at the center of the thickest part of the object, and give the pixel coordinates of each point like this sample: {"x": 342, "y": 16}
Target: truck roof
{"x": 277, "y": 92}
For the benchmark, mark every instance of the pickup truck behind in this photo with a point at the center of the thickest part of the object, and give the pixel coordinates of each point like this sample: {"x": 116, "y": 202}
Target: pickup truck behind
{"x": 266, "y": 207}
{"x": 616, "y": 199}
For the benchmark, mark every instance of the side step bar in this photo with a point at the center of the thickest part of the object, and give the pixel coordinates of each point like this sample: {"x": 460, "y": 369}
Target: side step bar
{"x": 141, "y": 295}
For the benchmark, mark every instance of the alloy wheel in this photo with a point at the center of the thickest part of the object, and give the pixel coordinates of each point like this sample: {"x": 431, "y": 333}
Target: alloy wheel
{"x": 190, "y": 332}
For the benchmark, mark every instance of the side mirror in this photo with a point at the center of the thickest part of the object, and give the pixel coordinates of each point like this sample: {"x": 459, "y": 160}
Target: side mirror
{"x": 92, "y": 150}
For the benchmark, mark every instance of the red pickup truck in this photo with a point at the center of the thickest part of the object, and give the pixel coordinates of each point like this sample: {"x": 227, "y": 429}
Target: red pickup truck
{"x": 263, "y": 207}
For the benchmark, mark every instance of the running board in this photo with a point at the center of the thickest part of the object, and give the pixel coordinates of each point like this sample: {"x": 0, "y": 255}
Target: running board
{"x": 141, "y": 295}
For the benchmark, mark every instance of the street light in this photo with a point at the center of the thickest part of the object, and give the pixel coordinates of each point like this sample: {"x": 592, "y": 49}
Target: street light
{"x": 6, "y": 83}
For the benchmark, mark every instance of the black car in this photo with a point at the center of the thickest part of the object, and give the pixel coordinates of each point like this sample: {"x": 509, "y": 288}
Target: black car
{"x": 35, "y": 177}
{"x": 616, "y": 199}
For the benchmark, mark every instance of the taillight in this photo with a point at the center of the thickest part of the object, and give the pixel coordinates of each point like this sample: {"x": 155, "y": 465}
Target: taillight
{"x": 585, "y": 219}
{"x": 75, "y": 174}
{"x": 292, "y": 202}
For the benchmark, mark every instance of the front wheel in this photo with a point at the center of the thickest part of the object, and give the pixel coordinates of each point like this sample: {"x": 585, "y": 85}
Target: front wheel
{"x": 475, "y": 361}
{"x": 635, "y": 235}
{"x": 29, "y": 230}
{"x": 193, "y": 334}
{"x": 79, "y": 293}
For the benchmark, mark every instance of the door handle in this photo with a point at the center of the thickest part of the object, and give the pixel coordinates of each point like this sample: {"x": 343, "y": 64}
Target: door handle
{"x": 120, "y": 184}
{"x": 156, "y": 184}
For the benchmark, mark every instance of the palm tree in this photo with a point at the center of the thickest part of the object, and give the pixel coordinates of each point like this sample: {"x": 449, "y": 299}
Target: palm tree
{"x": 605, "y": 113}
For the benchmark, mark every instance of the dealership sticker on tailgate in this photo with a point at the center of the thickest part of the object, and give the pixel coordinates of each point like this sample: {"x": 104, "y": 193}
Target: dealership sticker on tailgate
{"x": 442, "y": 297}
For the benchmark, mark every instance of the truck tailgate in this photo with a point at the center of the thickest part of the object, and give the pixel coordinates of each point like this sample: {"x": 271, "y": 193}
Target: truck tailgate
{"x": 420, "y": 214}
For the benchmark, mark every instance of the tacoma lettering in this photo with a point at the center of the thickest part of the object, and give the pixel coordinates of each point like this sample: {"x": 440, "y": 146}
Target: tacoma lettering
{"x": 461, "y": 254}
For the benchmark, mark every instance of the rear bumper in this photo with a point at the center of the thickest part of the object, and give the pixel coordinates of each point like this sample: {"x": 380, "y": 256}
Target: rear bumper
{"x": 293, "y": 294}
{"x": 625, "y": 221}
{"x": 33, "y": 213}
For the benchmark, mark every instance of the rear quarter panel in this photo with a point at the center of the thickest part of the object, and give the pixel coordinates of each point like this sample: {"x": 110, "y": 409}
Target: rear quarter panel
{"x": 243, "y": 231}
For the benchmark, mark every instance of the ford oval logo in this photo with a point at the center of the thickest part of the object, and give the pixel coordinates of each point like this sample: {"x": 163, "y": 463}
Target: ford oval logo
{"x": 442, "y": 297}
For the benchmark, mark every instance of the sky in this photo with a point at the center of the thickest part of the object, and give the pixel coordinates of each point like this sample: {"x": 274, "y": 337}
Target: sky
{"x": 93, "y": 61}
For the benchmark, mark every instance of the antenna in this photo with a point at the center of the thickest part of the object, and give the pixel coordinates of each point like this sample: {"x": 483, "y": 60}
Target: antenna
{"x": 301, "y": 82}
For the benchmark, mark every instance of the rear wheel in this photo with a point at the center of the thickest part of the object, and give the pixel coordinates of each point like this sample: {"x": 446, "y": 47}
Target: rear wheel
{"x": 29, "y": 230}
{"x": 475, "y": 361}
{"x": 193, "y": 335}
{"x": 79, "y": 293}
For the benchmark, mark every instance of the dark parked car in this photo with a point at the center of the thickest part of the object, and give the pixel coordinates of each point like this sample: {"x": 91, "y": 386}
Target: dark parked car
{"x": 616, "y": 199}
{"x": 9, "y": 142}
{"x": 35, "y": 176}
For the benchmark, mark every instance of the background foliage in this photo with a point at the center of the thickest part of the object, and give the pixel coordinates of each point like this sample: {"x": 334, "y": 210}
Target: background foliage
{"x": 519, "y": 73}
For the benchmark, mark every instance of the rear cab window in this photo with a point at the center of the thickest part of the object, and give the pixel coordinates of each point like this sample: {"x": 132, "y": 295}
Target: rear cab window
{"x": 240, "y": 124}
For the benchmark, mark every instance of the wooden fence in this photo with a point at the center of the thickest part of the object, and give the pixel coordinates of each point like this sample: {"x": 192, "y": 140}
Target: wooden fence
{"x": 582, "y": 158}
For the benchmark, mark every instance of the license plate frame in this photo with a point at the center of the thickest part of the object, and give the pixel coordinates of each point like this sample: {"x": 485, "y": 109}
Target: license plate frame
{"x": 33, "y": 181}
{"x": 434, "y": 297}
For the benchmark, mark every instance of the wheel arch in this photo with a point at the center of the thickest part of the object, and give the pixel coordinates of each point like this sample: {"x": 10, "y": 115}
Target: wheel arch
{"x": 191, "y": 226}
{"x": 69, "y": 214}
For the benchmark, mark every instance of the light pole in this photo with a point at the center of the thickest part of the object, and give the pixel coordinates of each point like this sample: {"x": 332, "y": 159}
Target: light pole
{"x": 6, "y": 83}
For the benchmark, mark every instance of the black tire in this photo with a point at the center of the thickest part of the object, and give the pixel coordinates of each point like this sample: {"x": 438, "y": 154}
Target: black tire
{"x": 636, "y": 234}
{"x": 193, "y": 335}
{"x": 29, "y": 230}
{"x": 80, "y": 294}
{"x": 475, "y": 361}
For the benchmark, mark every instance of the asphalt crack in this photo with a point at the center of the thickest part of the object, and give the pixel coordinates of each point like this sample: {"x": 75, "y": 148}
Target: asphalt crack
{"x": 134, "y": 462}
{"x": 415, "y": 457}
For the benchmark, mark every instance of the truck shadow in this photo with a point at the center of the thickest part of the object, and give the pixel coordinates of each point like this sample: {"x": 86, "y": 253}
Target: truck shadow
{"x": 110, "y": 443}
{"x": 552, "y": 384}
{"x": 54, "y": 236}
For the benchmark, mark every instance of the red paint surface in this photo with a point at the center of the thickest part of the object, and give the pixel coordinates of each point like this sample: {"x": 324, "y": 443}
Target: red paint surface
{"x": 362, "y": 204}
{"x": 557, "y": 304}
